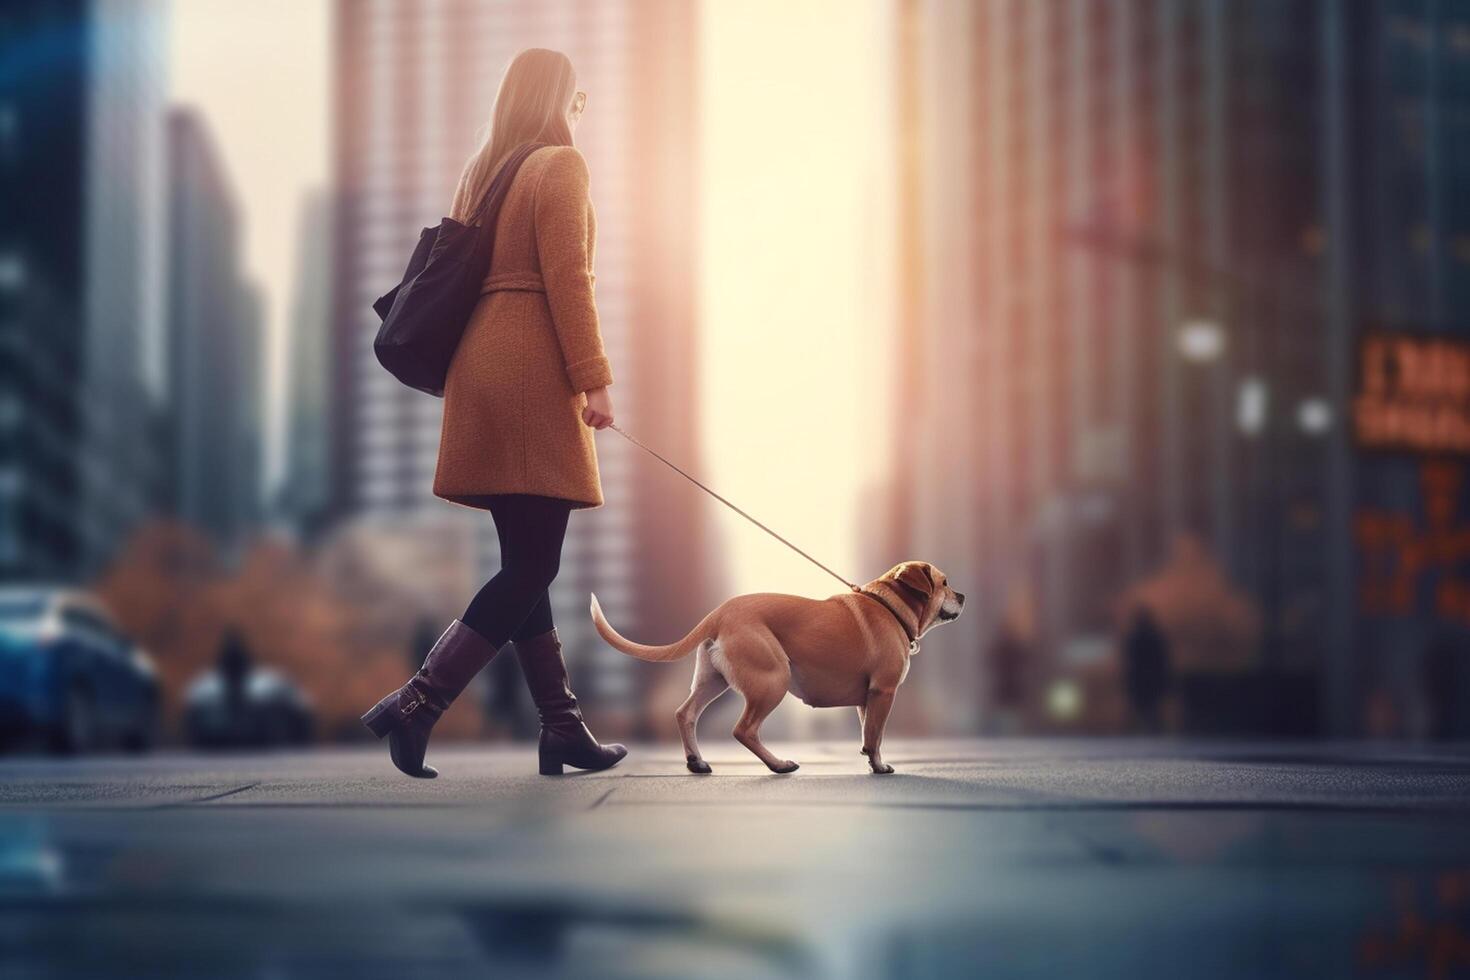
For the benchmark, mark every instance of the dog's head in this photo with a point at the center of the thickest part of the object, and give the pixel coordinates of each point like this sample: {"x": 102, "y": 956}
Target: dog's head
{"x": 927, "y": 589}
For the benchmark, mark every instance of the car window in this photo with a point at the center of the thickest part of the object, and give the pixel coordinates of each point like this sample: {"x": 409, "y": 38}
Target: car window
{"x": 21, "y": 609}
{"x": 84, "y": 618}
{"x": 91, "y": 625}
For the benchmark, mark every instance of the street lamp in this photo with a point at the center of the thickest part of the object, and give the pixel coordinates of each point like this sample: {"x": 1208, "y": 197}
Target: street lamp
{"x": 1250, "y": 408}
{"x": 1201, "y": 341}
{"x": 1314, "y": 416}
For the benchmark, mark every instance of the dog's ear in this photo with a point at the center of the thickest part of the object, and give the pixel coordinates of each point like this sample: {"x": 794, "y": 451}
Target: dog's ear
{"x": 915, "y": 575}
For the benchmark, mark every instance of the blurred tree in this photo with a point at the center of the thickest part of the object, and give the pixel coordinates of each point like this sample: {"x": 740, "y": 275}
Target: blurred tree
{"x": 1208, "y": 625}
{"x": 345, "y": 649}
{"x": 158, "y": 588}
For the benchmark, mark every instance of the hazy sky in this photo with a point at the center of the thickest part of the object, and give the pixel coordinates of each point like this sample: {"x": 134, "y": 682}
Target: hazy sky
{"x": 795, "y": 283}
{"x": 259, "y": 72}
{"x": 796, "y": 279}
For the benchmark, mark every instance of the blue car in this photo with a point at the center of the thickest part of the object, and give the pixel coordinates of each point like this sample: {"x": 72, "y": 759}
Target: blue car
{"x": 68, "y": 677}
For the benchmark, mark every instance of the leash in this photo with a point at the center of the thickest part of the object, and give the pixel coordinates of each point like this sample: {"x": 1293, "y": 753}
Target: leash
{"x": 903, "y": 624}
{"x": 626, "y": 435}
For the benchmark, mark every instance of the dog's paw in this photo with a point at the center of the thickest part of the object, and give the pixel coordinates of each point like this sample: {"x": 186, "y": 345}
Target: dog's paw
{"x": 698, "y": 765}
{"x": 883, "y": 769}
{"x": 785, "y": 766}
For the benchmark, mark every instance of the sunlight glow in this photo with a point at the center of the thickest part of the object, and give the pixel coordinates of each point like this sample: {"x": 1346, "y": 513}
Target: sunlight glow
{"x": 796, "y": 279}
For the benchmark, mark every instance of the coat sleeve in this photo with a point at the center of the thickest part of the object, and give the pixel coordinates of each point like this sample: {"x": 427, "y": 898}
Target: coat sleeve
{"x": 561, "y": 246}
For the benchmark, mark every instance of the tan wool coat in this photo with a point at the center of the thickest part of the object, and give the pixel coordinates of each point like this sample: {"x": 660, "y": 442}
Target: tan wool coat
{"x": 516, "y": 388}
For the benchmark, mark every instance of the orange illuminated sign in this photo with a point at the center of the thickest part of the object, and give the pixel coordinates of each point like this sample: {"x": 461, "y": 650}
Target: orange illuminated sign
{"x": 1413, "y": 394}
{"x": 1398, "y": 554}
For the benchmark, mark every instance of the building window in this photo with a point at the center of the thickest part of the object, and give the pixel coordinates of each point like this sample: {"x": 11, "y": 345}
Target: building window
{"x": 9, "y": 129}
{"x": 12, "y": 271}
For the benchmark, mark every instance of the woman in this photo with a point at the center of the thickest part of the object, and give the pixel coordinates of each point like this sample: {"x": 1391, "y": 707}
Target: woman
{"x": 527, "y": 386}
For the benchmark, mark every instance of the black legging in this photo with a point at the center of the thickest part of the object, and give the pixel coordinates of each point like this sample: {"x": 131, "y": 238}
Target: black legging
{"x": 516, "y": 603}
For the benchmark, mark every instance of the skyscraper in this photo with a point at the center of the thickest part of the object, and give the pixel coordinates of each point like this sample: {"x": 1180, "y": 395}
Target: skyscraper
{"x": 214, "y": 345}
{"x": 81, "y": 150}
{"x": 304, "y": 498}
{"x": 1141, "y": 237}
{"x": 125, "y": 269}
{"x": 1397, "y": 134}
{"x": 415, "y": 81}
{"x": 247, "y": 425}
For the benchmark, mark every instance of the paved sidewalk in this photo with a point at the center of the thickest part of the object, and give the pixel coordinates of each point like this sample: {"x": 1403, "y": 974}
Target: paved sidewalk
{"x": 996, "y": 858}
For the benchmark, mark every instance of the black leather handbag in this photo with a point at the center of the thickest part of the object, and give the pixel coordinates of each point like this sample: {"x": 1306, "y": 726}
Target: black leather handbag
{"x": 425, "y": 315}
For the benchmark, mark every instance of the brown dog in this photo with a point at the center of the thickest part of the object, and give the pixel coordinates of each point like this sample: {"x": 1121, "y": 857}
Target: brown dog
{"x": 851, "y": 649}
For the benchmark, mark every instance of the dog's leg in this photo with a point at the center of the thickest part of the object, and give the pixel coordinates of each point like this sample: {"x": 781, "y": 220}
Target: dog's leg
{"x": 757, "y": 668}
{"x": 708, "y": 684}
{"x": 747, "y": 730}
{"x": 880, "y": 702}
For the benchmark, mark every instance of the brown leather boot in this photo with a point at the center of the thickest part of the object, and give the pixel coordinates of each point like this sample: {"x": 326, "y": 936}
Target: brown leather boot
{"x": 408, "y": 714}
{"x": 565, "y": 740}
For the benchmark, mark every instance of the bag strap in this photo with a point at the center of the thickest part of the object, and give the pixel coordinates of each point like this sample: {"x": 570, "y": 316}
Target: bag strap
{"x": 489, "y": 208}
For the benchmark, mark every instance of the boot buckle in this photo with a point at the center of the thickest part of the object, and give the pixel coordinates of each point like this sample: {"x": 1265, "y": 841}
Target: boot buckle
{"x": 412, "y": 705}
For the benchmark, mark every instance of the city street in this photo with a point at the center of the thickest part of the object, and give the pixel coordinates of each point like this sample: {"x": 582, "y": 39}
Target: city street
{"x": 995, "y": 858}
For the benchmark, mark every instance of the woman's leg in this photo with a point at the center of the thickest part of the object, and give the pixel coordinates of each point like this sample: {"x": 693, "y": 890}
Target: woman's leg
{"x": 531, "y": 531}
{"x": 538, "y": 622}
{"x": 507, "y": 705}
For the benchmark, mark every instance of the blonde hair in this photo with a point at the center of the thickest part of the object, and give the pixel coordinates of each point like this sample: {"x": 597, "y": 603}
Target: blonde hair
{"x": 530, "y": 106}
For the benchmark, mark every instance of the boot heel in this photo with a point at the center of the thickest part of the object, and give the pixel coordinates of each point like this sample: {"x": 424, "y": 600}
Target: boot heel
{"x": 379, "y": 720}
{"x": 552, "y": 767}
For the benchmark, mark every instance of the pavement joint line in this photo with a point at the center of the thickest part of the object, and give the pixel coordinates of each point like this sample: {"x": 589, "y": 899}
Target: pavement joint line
{"x": 762, "y": 773}
{"x": 1083, "y": 806}
{"x": 602, "y": 799}
{"x": 1455, "y": 811}
{"x": 173, "y": 804}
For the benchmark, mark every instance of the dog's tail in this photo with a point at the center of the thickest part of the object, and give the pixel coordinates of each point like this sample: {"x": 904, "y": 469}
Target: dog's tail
{"x": 669, "y": 651}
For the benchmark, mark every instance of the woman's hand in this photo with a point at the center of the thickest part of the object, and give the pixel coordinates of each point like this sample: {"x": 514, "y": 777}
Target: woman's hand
{"x": 599, "y": 410}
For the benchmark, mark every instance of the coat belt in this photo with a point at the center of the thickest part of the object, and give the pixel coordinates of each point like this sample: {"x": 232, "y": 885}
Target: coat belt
{"x": 523, "y": 281}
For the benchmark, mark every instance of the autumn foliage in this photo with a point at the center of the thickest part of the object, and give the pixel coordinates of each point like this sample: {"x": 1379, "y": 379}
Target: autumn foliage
{"x": 1210, "y": 625}
{"x": 345, "y": 639}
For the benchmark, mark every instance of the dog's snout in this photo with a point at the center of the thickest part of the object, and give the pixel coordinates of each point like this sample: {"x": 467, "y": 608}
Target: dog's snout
{"x": 960, "y": 598}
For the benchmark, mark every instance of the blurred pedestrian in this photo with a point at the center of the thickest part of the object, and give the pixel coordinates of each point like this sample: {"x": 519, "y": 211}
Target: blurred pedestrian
{"x": 1146, "y": 674}
{"x": 425, "y": 634}
{"x": 1441, "y": 681}
{"x": 235, "y": 664}
{"x": 507, "y": 713}
{"x": 1006, "y": 659}
{"x": 525, "y": 390}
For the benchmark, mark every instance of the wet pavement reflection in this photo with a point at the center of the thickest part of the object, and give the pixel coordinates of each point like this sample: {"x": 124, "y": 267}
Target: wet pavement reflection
{"x": 1003, "y": 858}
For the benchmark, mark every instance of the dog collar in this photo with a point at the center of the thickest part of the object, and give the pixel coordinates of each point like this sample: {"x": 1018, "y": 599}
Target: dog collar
{"x": 907, "y": 632}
